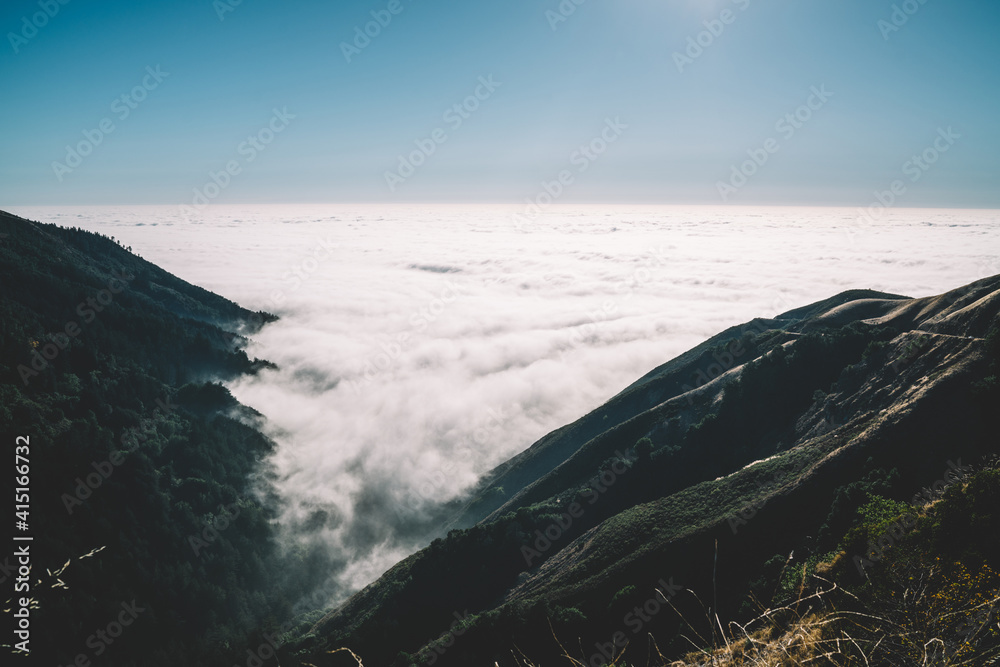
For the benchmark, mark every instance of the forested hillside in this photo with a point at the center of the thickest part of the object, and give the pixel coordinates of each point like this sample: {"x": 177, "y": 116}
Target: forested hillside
{"x": 142, "y": 466}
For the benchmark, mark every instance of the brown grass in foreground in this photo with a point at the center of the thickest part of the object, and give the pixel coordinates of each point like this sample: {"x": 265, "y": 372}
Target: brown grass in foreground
{"x": 811, "y": 632}
{"x": 919, "y": 617}
{"x": 925, "y": 625}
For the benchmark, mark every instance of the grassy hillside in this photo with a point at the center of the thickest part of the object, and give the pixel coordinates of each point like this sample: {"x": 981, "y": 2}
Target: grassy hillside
{"x": 708, "y": 473}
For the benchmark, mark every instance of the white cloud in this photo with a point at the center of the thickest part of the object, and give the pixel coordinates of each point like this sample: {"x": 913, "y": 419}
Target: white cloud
{"x": 434, "y": 342}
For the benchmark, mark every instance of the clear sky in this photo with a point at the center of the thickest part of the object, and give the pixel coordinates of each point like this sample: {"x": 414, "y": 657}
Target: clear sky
{"x": 303, "y": 109}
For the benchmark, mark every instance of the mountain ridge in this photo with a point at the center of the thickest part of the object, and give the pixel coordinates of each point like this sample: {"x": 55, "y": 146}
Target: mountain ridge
{"x": 818, "y": 398}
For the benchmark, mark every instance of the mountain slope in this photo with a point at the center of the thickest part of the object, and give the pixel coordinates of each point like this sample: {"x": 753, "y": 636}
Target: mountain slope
{"x": 705, "y": 470}
{"x": 141, "y": 466}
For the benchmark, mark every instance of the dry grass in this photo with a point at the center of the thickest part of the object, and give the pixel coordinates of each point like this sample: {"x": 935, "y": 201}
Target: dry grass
{"x": 829, "y": 626}
{"x": 813, "y": 631}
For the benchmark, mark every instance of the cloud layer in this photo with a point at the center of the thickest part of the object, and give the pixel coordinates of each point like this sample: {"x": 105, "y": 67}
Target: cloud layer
{"x": 420, "y": 346}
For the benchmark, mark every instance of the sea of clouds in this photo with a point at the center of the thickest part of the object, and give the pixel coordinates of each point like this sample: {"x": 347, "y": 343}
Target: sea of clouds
{"x": 419, "y": 346}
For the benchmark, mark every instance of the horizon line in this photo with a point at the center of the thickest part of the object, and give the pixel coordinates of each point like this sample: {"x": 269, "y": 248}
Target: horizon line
{"x": 507, "y": 204}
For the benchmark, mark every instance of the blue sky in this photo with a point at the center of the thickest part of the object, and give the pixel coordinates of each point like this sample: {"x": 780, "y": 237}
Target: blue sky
{"x": 683, "y": 124}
